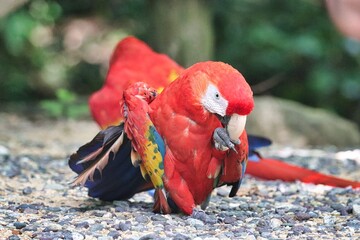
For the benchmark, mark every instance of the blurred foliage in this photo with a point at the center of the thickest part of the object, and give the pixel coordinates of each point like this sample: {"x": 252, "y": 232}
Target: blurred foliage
{"x": 64, "y": 106}
{"x": 285, "y": 48}
{"x": 295, "y": 42}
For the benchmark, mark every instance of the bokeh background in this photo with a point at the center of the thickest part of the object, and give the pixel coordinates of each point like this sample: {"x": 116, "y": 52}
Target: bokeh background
{"x": 55, "y": 53}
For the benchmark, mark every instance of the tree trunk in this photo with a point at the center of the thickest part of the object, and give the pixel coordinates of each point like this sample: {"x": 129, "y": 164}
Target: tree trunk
{"x": 183, "y": 29}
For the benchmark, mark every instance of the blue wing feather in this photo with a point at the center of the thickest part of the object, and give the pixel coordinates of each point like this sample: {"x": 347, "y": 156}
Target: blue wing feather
{"x": 256, "y": 142}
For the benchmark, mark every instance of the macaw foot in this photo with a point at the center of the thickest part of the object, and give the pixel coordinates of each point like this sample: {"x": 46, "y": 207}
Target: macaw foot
{"x": 205, "y": 203}
{"x": 223, "y": 141}
{"x": 161, "y": 205}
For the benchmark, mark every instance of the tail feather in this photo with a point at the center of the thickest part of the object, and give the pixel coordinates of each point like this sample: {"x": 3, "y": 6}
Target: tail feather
{"x": 273, "y": 169}
{"x": 118, "y": 179}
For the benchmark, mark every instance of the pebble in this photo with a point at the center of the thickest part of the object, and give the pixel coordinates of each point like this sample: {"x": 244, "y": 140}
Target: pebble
{"x": 27, "y": 191}
{"x": 275, "y": 223}
{"x": 123, "y": 226}
{"x": 77, "y": 236}
{"x": 142, "y": 219}
{"x": 96, "y": 227}
{"x": 329, "y": 220}
{"x": 302, "y": 216}
{"x": 4, "y": 152}
{"x": 13, "y": 237}
{"x": 19, "y": 225}
{"x": 298, "y": 229}
{"x": 180, "y": 236}
{"x": 194, "y": 222}
{"x": 356, "y": 209}
{"x": 229, "y": 220}
{"x": 52, "y": 227}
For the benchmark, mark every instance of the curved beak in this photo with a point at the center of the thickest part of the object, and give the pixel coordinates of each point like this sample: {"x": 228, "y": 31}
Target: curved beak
{"x": 236, "y": 126}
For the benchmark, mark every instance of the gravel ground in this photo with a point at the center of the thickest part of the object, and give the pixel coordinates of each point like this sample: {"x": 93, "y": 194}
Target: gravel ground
{"x": 36, "y": 201}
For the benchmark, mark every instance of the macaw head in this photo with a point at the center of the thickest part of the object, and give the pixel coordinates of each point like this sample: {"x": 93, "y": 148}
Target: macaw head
{"x": 222, "y": 90}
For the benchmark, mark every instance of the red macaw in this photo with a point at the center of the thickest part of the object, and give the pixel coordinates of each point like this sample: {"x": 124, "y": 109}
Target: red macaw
{"x": 134, "y": 61}
{"x": 209, "y": 98}
{"x": 201, "y": 117}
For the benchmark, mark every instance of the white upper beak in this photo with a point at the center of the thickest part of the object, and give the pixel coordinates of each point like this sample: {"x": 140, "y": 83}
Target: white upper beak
{"x": 236, "y": 126}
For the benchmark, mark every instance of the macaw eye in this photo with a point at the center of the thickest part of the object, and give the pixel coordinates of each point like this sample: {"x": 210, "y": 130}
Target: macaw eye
{"x": 217, "y": 95}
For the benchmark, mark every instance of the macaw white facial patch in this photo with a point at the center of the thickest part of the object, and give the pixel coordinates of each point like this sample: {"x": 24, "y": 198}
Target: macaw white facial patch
{"x": 213, "y": 101}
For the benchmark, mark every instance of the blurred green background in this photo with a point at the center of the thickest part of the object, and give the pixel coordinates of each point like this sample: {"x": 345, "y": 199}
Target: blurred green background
{"x": 56, "y": 52}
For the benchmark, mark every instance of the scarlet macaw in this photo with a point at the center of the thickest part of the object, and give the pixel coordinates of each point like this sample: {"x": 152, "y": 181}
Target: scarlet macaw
{"x": 134, "y": 61}
{"x": 199, "y": 116}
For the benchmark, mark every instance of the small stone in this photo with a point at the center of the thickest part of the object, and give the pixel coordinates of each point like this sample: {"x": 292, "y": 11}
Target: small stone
{"x": 250, "y": 237}
{"x": 13, "y": 237}
{"x": 114, "y": 234}
{"x": 67, "y": 235}
{"x": 4, "y": 152}
{"x": 158, "y": 217}
{"x": 356, "y": 209}
{"x": 150, "y": 236}
{"x": 54, "y": 186}
{"x": 98, "y": 213}
{"x": 202, "y": 216}
{"x": 82, "y": 225}
{"x": 123, "y": 227}
{"x": 19, "y": 225}
{"x": 222, "y": 192}
{"x": 52, "y": 228}
{"x": 27, "y": 191}
{"x": 298, "y": 230}
{"x": 77, "y": 236}
{"x": 229, "y": 220}
{"x": 142, "y": 219}
{"x": 313, "y": 215}
{"x": 302, "y": 216}
{"x": 194, "y": 222}
{"x": 180, "y": 236}
{"x": 122, "y": 204}
{"x": 105, "y": 238}
{"x": 275, "y": 223}
{"x": 329, "y": 220}
{"x": 96, "y": 227}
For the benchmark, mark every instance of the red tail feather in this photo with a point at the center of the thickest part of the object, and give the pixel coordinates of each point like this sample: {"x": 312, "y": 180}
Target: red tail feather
{"x": 273, "y": 169}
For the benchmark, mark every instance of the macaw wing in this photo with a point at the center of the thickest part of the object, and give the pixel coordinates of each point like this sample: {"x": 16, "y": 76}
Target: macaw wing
{"x": 154, "y": 153}
{"x": 153, "y": 166}
{"x": 104, "y": 166}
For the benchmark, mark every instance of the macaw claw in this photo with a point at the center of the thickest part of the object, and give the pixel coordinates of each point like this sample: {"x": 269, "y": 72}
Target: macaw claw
{"x": 223, "y": 141}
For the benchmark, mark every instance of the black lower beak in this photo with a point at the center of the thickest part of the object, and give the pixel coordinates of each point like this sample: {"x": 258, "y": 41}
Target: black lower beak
{"x": 223, "y": 119}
